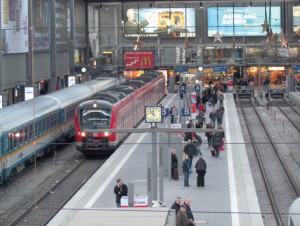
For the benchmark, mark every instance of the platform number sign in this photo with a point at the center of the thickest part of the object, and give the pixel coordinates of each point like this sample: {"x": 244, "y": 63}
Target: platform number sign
{"x": 185, "y": 112}
{"x": 182, "y": 88}
{"x": 197, "y": 88}
{"x": 165, "y": 112}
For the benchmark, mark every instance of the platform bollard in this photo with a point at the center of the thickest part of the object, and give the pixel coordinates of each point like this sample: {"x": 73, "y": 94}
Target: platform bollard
{"x": 130, "y": 194}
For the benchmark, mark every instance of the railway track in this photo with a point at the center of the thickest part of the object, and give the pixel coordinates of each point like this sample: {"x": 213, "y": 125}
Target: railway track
{"x": 281, "y": 187}
{"x": 292, "y": 116}
{"x": 47, "y": 205}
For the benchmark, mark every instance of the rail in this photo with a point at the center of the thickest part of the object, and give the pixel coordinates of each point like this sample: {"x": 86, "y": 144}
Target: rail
{"x": 261, "y": 166}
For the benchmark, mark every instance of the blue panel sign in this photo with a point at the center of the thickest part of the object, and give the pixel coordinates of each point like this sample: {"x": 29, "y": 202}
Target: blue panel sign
{"x": 165, "y": 112}
{"x": 185, "y": 112}
{"x": 181, "y": 69}
{"x": 219, "y": 68}
{"x": 296, "y": 67}
{"x": 197, "y": 88}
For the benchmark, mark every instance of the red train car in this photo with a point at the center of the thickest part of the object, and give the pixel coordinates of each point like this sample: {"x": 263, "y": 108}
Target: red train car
{"x": 115, "y": 108}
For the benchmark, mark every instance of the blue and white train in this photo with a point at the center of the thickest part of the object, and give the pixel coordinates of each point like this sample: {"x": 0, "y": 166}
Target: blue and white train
{"x": 33, "y": 127}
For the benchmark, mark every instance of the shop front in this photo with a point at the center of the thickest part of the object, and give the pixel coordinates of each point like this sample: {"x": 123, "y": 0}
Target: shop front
{"x": 276, "y": 74}
{"x": 215, "y": 75}
{"x": 296, "y": 77}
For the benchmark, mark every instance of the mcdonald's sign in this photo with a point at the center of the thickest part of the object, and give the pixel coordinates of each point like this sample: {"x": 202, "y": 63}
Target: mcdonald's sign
{"x": 138, "y": 59}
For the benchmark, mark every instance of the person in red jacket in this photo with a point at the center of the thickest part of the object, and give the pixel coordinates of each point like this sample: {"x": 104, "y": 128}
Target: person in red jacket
{"x": 202, "y": 107}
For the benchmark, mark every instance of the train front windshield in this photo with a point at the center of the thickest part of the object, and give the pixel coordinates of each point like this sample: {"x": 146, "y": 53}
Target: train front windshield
{"x": 95, "y": 118}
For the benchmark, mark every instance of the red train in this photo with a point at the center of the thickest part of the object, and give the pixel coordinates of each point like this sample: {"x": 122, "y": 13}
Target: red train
{"x": 115, "y": 108}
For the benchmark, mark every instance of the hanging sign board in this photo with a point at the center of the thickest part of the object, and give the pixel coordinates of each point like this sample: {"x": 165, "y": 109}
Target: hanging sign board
{"x": 28, "y": 93}
{"x": 0, "y": 101}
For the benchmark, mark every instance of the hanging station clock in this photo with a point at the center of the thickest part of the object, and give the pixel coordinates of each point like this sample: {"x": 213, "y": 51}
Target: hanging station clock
{"x": 153, "y": 114}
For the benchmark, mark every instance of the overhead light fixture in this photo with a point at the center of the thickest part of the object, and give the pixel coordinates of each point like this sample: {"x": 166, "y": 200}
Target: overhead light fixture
{"x": 201, "y": 5}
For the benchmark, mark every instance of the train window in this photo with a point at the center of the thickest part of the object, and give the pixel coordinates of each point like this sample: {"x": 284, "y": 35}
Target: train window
{"x": 48, "y": 122}
{"x": 30, "y": 132}
{"x": 10, "y": 141}
{"x": 36, "y": 129}
{"x": 43, "y": 125}
{"x": 25, "y": 134}
{"x": 21, "y": 136}
{"x": 40, "y": 127}
{"x": 95, "y": 118}
{"x": 15, "y": 140}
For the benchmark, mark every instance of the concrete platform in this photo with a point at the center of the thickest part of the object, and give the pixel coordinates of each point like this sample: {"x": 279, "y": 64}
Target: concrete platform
{"x": 228, "y": 198}
{"x": 295, "y": 98}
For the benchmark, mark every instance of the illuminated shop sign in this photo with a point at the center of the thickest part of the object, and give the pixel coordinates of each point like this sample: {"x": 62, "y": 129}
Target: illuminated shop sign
{"x": 296, "y": 20}
{"x": 163, "y": 22}
{"x": 139, "y": 59}
{"x": 245, "y": 21}
{"x": 276, "y": 68}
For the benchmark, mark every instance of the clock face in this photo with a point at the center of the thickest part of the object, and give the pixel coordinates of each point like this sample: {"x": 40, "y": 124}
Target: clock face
{"x": 153, "y": 114}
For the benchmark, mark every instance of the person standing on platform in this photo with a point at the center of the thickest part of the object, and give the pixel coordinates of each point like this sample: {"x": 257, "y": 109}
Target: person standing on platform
{"x": 120, "y": 190}
{"x": 186, "y": 170}
{"x": 202, "y": 107}
{"x": 174, "y": 114}
{"x": 209, "y": 135}
{"x": 200, "y": 122}
{"x": 221, "y": 98}
{"x": 190, "y": 150}
{"x": 217, "y": 143}
{"x": 174, "y": 165}
{"x": 219, "y": 115}
{"x": 201, "y": 171}
{"x": 189, "y": 213}
{"x": 213, "y": 116}
{"x": 176, "y": 205}
{"x": 214, "y": 97}
{"x": 181, "y": 217}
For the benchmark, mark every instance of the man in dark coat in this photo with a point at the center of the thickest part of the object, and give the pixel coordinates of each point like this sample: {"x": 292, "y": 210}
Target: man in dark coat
{"x": 189, "y": 213}
{"x": 190, "y": 150}
{"x": 176, "y": 205}
{"x": 213, "y": 116}
{"x": 181, "y": 217}
{"x": 219, "y": 114}
{"x": 217, "y": 143}
{"x": 201, "y": 171}
{"x": 120, "y": 190}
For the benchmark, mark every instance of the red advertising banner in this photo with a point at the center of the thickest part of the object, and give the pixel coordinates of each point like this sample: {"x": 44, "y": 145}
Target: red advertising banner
{"x": 138, "y": 59}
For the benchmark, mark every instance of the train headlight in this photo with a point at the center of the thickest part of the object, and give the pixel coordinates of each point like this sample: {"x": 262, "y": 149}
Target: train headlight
{"x": 106, "y": 134}
{"x": 83, "y": 134}
{"x": 94, "y": 105}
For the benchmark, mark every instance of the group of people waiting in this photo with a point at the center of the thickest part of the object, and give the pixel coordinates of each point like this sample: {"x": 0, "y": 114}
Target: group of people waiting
{"x": 184, "y": 214}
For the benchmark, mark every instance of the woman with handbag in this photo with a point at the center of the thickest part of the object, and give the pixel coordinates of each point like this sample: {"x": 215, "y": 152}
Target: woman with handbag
{"x": 174, "y": 165}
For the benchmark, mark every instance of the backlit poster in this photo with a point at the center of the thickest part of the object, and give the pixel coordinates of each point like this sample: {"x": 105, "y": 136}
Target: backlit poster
{"x": 41, "y": 23}
{"x": 245, "y": 21}
{"x": 14, "y": 25}
{"x": 162, "y": 22}
{"x": 296, "y": 20}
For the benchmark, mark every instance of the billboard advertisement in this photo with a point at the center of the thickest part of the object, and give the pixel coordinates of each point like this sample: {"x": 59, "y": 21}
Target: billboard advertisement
{"x": 14, "y": 25}
{"x": 296, "y": 20}
{"x": 246, "y": 21}
{"x": 162, "y": 22}
{"x": 138, "y": 59}
{"x": 41, "y": 24}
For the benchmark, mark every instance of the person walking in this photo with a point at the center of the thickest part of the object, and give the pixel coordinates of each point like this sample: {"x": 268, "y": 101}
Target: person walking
{"x": 181, "y": 217}
{"x": 190, "y": 150}
{"x": 174, "y": 165}
{"x": 213, "y": 116}
{"x": 174, "y": 114}
{"x": 201, "y": 171}
{"x": 120, "y": 190}
{"x": 176, "y": 205}
{"x": 219, "y": 115}
{"x": 189, "y": 212}
{"x": 217, "y": 143}
{"x": 186, "y": 170}
{"x": 201, "y": 118}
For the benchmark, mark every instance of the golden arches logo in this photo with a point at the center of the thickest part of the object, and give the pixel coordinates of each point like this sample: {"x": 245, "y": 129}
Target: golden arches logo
{"x": 146, "y": 61}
